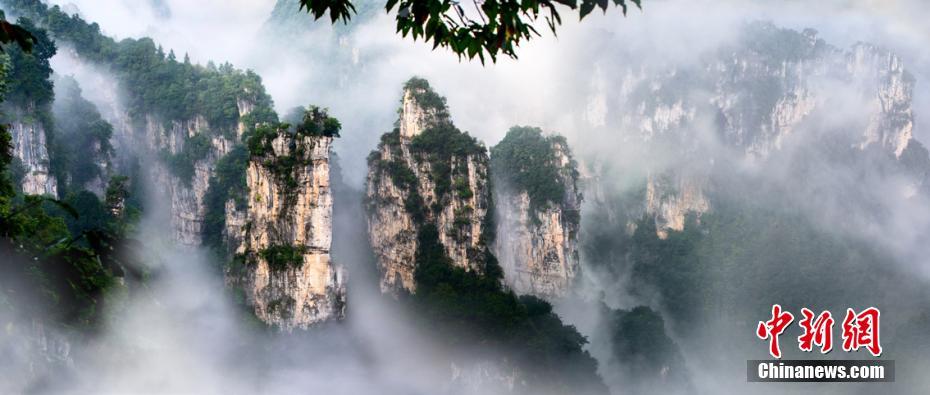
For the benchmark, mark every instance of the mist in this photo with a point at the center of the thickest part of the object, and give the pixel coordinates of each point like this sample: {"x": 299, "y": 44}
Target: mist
{"x": 183, "y": 334}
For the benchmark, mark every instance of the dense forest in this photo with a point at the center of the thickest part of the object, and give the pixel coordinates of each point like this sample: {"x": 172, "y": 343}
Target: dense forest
{"x": 156, "y": 83}
{"x": 468, "y": 307}
{"x": 523, "y": 162}
{"x": 62, "y": 257}
{"x": 660, "y": 307}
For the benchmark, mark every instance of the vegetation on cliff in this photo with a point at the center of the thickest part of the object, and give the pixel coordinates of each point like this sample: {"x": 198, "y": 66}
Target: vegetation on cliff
{"x": 28, "y": 83}
{"x": 469, "y": 307}
{"x": 228, "y": 183}
{"x": 182, "y": 164}
{"x": 29, "y": 90}
{"x": 83, "y": 138}
{"x": 156, "y": 83}
{"x": 644, "y": 354}
{"x": 315, "y": 123}
{"x": 426, "y": 97}
{"x": 527, "y": 161}
{"x": 283, "y": 256}
{"x": 60, "y": 257}
{"x": 447, "y": 150}
{"x": 472, "y": 307}
{"x": 758, "y": 238}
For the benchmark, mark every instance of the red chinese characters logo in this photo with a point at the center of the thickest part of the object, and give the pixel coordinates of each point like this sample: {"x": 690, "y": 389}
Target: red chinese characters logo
{"x": 859, "y": 330}
{"x": 773, "y": 328}
{"x": 817, "y": 331}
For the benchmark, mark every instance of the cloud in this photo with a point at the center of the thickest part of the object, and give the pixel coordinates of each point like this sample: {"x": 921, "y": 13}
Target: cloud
{"x": 572, "y": 84}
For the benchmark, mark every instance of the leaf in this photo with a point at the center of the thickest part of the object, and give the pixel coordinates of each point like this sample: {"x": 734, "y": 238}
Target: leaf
{"x": 10, "y": 33}
{"x": 586, "y": 7}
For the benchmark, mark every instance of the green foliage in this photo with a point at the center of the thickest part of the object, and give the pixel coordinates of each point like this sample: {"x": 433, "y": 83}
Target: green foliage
{"x": 405, "y": 180}
{"x": 227, "y": 183}
{"x": 28, "y": 84}
{"x": 471, "y": 307}
{"x": 650, "y": 359}
{"x": 117, "y": 191}
{"x": 671, "y": 263}
{"x": 462, "y": 189}
{"x": 317, "y": 122}
{"x": 287, "y": 18}
{"x": 93, "y": 213}
{"x": 16, "y": 171}
{"x": 755, "y": 245}
{"x": 776, "y": 45}
{"x": 311, "y": 122}
{"x": 181, "y": 164}
{"x": 426, "y": 97}
{"x": 122, "y": 201}
{"x": 14, "y": 36}
{"x": 259, "y": 143}
{"x": 28, "y": 89}
{"x": 155, "y": 83}
{"x": 82, "y": 138}
{"x": 446, "y": 149}
{"x": 526, "y": 161}
{"x": 283, "y": 256}
{"x": 60, "y": 258}
{"x": 494, "y": 27}
{"x": 259, "y": 139}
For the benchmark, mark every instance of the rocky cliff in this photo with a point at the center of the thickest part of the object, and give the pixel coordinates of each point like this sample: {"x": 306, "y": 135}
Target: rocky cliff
{"x": 426, "y": 172}
{"x": 185, "y": 189}
{"x": 31, "y": 148}
{"x": 748, "y": 100}
{"x": 285, "y": 234}
{"x": 537, "y": 235}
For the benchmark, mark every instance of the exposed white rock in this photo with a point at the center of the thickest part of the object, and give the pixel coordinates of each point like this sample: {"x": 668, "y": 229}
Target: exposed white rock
{"x": 31, "y": 148}
{"x": 753, "y": 102}
{"x": 187, "y": 206}
{"x": 414, "y": 116}
{"x": 538, "y": 249}
{"x": 391, "y": 227}
{"x": 300, "y": 216}
{"x": 892, "y": 120}
{"x": 670, "y": 201}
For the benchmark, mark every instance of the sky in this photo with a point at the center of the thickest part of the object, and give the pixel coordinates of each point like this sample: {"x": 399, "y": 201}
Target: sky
{"x": 554, "y": 85}
{"x": 487, "y": 100}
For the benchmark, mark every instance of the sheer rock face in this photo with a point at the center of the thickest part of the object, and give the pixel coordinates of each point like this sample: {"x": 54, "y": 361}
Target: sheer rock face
{"x": 392, "y": 229}
{"x": 31, "y": 148}
{"x": 98, "y": 184}
{"x": 892, "y": 120}
{"x": 392, "y": 232}
{"x": 538, "y": 249}
{"x": 186, "y": 198}
{"x": 415, "y": 117}
{"x": 749, "y": 101}
{"x": 298, "y": 215}
{"x": 671, "y": 200}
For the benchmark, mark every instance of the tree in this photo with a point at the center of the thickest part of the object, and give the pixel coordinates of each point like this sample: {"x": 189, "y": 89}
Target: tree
{"x": 59, "y": 257}
{"x": 14, "y": 34}
{"x": 491, "y": 28}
